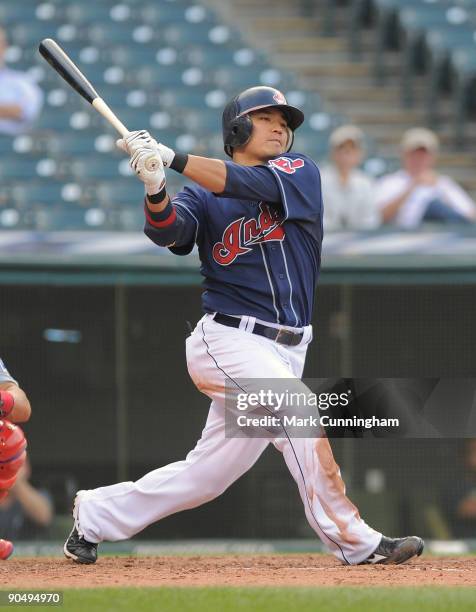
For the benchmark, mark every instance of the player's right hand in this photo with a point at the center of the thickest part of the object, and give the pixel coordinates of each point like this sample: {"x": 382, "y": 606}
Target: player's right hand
{"x": 142, "y": 139}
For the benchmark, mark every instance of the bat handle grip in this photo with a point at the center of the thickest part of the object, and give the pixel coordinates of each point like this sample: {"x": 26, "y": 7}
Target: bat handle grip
{"x": 104, "y": 110}
{"x": 153, "y": 162}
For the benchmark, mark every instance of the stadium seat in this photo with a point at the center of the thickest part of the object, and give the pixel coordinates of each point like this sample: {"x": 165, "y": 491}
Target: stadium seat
{"x": 120, "y": 193}
{"x": 414, "y": 23}
{"x": 90, "y": 12}
{"x": 129, "y": 56}
{"x": 157, "y": 77}
{"x": 13, "y": 219}
{"x": 441, "y": 45}
{"x": 463, "y": 65}
{"x": 378, "y": 166}
{"x": 69, "y": 217}
{"x": 24, "y": 57}
{"x": 34, "y": 143}
{"x": 159, "y": 13}
{"x": 14, "y": 168}
{"x": 236, "y": 78}
{"x": 166, "y": 66}
{"x": 6, "y": 144}
{"x": 199, "y": 121}
{"x": 104, "y": 34}
{"x": 15, "y": 12}
{"x": 98, "y": 167}
{"x": 55, "y": 119}
{"x": 65, "y": 145}
{"x": 389, "y": 29}
{"x": 130, "y": 219}
{"x": 313, "y": 144}
{"x": 206, "y": 56}
{"x": 45, "y": 192}
{"x": 309, "y": 102}
{"x": 29, "y": 33}
{"x": 187, "y": 97}
{"x": 183, "y": 34}
{"x": 64, "y": 97}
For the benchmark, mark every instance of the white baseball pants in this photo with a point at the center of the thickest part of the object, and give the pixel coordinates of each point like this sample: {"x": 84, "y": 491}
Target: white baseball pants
{"x": 216, "y": 353}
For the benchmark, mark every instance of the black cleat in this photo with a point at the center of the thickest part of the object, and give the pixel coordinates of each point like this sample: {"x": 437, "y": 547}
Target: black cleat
{"x": 80, "y": 550}
{"x": 393, "y": 551}
{"x": 76, "y": 547}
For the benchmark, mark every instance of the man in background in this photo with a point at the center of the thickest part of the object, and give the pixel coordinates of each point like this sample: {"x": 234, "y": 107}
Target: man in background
{"x": 21, "y": 99}
{"x": 417, "y": 193}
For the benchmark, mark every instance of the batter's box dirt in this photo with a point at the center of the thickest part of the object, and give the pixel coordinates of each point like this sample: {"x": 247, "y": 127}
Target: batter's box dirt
{"x": 233, "y": 570}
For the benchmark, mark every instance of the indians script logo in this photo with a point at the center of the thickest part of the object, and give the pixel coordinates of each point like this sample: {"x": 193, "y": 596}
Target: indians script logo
{"x": 279, "y": 97}
{"x": 287, "y": 165}
{"x": 240, "y": 236}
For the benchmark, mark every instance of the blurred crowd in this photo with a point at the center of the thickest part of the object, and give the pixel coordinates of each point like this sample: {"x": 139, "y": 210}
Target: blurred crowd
{"x": 353, "y": 199}
{"x": 414, "y": 194}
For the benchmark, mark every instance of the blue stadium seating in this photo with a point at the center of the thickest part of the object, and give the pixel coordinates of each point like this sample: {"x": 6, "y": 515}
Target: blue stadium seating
{"x": 436, "y": 37}
{"x": 167, "y": 66}
{"x": 12, "y": 12}
{"x": 12, "y": 168}
{"x": 69, "y": 217}
{"x": 445, "y": 46}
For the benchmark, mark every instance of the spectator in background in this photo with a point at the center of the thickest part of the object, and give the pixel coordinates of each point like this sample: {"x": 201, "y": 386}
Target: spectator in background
{"x": 417, "y": 193}
{"x": 460, "y": 498}
{"x": 20, "y": 98}
{"x": 26, "y": 512}
{"x": 348, "y": 193}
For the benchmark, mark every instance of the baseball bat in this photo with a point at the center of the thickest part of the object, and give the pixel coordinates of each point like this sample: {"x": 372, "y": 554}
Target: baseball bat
{"x": 67, "y": 69}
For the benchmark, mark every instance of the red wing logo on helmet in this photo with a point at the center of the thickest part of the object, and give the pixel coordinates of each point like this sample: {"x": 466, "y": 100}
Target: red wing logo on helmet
{"x": 279, "y": 98}
{"x": 240, "y": 236}
{"x": 287, "y": 165}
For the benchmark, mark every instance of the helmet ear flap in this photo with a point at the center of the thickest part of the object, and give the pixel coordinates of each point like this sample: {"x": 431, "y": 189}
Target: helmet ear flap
{"x": 238, "y": 133}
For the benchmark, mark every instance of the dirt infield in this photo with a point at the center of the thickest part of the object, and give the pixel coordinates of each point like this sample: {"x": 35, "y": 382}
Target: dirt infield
{"x": 233, "y": 570}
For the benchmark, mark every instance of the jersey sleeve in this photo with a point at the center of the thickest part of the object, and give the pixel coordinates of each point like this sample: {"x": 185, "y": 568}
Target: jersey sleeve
{"x": 250, "y": 183}
{"x": 179, "y": 232}
{"x": 292, "y": 181}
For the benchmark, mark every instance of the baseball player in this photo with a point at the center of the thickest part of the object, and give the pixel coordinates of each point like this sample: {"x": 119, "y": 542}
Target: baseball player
{"x": 257, "y": 221}
{"x": 14, "y": 406}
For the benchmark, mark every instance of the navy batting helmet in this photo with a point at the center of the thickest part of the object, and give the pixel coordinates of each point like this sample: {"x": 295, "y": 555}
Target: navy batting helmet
{"x": 237, "y": 125}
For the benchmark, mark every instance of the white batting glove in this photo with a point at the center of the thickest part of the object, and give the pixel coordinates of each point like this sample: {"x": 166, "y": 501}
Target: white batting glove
{"x": 140, "y": 139}
{"x": 154, "y": 180}
{"x": 135, "y": 140}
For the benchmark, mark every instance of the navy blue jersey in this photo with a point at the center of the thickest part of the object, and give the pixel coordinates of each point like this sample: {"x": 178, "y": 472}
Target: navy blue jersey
{"x": 259, "y": 240}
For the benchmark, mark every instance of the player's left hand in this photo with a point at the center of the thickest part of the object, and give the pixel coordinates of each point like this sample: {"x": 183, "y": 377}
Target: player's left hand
{"x": 141, "y": 139}
{"x": 136, "y": 140}
{"x": 154, "y": 180}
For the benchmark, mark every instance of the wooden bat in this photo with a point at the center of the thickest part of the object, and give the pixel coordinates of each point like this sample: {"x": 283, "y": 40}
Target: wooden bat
{"x": 66, "y": 68}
